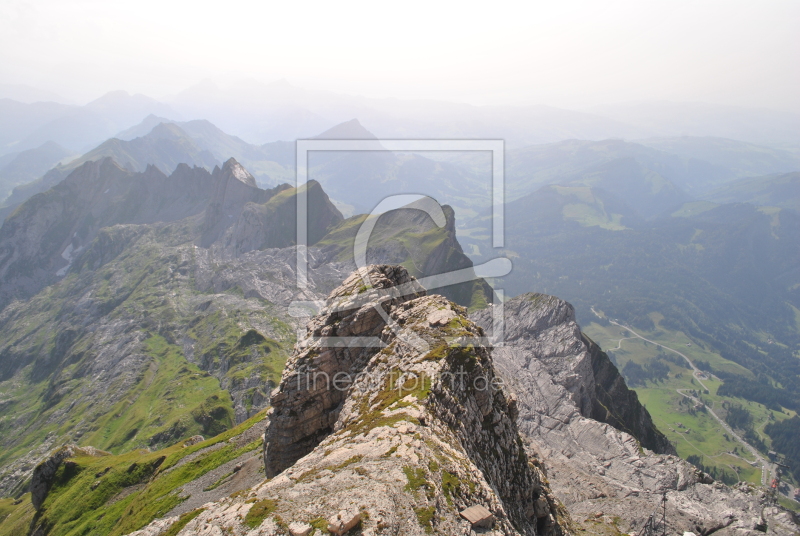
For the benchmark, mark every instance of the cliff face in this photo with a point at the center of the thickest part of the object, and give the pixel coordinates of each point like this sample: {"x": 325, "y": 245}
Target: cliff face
{"x": 602, "y": 449}
{"x": 304, "y": 411}
{"x": 234, "y": 187}
{"x": 273, "y": 224}
{"x": 414, "y": 432}
{"x": 613, "y": 403}
{"x": 39, "y": 241}
{"x": 544, "y": 341}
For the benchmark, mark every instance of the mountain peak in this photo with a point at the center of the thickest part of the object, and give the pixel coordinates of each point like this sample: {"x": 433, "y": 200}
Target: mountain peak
{"x": 233, "y": 168}
{"x": 113, "y": 95}
{"x": 166, "y": 129}
{"x": 143, "y": 128}
{"x": 349, "y": 130}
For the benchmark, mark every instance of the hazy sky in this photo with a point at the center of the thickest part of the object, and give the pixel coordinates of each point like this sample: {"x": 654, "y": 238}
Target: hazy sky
{"x": 564, "y": 53}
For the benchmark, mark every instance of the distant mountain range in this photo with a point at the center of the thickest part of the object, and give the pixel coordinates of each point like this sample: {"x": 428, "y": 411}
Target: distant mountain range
{"x": 164, "y": 145}
{"x": 671, "y": 119}
{"x": 724, "y": 274}
{"x": 77, "y": 128}
{"x": 28, "y": 94}
{"x": 740, "y": 158}
{"x": 652, "y": 181}
{"x": 630, "y": 197}
{"x": 263, "y": 113}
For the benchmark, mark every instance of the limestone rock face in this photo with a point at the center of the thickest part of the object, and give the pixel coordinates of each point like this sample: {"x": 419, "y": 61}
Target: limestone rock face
{"x": 306, "y": 405}
{"x": 273, "y": 224}
{"x": 604, "y": 454}
{"x": 419, "y": 433}
{"x": 234, "y": 187}
{"x": 574, "y": 377}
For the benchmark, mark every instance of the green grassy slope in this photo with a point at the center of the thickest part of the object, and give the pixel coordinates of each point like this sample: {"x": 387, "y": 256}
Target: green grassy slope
{"x": 118, "y": 494}
{"x": 409, "y": 237}
{"x": 101, "y": 358}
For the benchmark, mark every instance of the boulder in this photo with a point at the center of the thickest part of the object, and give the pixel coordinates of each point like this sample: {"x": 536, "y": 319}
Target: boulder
{"x": 478, "y": 516}
{"x": 343, "y": 521}
{"x": 300, "y": 529}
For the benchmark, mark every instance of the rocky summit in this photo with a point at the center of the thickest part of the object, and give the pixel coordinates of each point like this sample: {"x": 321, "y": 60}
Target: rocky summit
{"x": 404, "y": 431}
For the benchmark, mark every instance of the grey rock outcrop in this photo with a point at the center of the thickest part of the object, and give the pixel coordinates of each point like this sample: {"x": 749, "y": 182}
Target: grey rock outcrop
{"x": 44, "y": 473}
{"x": 234, "y": 187}
{"x": 600, "y": 444}
{"x": 305, "y": 411}
{"x": 573, "y": 377}
{"x": 273, "y": 224}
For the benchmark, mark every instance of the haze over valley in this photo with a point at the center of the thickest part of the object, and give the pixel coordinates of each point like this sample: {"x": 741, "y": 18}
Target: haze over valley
{"x": 539, "y": 273}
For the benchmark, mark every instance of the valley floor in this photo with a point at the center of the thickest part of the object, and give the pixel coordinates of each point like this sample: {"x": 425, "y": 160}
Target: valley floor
{"x": 685, "y": 405}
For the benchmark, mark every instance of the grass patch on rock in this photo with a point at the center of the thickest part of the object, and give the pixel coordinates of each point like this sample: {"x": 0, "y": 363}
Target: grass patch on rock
{"x": 182, "y": 521}
{"x": 259, "y": 512}
{"x": 425, "y": 518}
{"x": 450, "y": 486}
{"x": 115, "y": 495}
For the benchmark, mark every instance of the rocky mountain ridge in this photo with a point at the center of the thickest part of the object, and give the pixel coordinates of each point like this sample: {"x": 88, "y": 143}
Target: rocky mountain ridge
{"x": 169, "y": 317}
{"x": 162, "y": 144}
{"x": 406, "y": 447}
{"x": 40, "y": 240}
